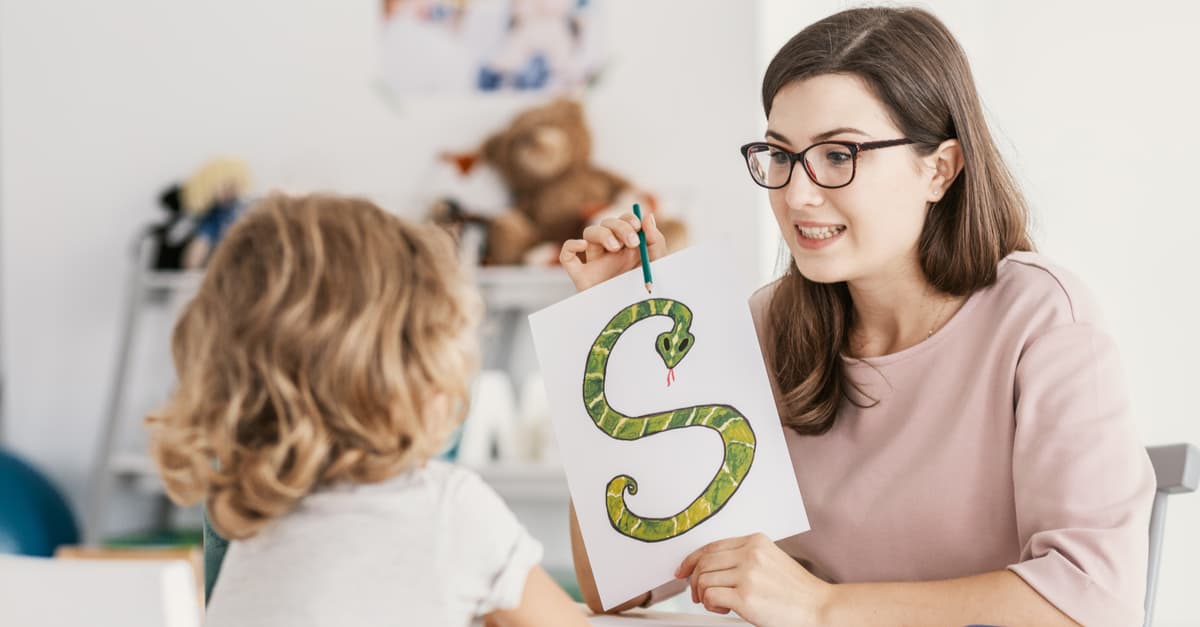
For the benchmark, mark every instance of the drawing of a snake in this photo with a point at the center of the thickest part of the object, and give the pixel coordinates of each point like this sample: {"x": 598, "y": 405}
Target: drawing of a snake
{"x": 733, "y": 427}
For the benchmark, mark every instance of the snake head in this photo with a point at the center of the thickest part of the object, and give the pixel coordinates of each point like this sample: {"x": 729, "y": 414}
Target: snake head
{"x": 673, "y": 345}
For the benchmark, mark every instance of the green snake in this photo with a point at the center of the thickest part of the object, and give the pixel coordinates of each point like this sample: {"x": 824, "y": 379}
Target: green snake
{"x": 733, "y": 427}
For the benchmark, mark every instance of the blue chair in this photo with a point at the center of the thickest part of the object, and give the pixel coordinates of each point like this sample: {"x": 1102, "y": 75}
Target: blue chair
{"x": 35, "y": 519}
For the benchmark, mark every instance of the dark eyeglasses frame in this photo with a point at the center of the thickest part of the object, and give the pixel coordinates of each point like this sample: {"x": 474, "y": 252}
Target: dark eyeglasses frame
{"x": 794, "y": 157}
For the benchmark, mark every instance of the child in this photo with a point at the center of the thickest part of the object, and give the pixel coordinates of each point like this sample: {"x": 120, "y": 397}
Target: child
{"x": 322, "y": 364}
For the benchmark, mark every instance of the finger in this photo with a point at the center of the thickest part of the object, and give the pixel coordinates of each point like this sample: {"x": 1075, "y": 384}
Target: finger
{"x": 721, "y": 600}
{"x": 623, "y": 230}
{"x": 719, "y": 561}
{"x": 571, "y": 249}
{"x": 716, "y": 579}
{"x": 569, "y": 258}
{"x": 594, "y": 251}
{"x": 632, "y": 220}
{"x": 602, "y": 236}
{"x": 689, "y": 562}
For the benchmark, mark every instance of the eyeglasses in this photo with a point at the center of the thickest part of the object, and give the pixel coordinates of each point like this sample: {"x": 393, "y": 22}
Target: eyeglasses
{"x": 828, "y": 164}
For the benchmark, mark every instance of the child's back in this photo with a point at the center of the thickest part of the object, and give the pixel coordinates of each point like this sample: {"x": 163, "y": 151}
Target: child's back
{"x": 323, "y": 361}
{"x": 430, "y": 547}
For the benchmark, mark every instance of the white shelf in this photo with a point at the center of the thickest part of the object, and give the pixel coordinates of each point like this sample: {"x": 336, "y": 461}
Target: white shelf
{"x": 515, "y": 482}
{"x": 502, "y": 287}
{"x": 173, "y": 280}
{"x": 526, "y": 482}
{"x": 522, "y": 287}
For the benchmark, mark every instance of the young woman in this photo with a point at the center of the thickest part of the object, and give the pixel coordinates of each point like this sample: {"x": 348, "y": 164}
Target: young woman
{"x": 956, "y": 416}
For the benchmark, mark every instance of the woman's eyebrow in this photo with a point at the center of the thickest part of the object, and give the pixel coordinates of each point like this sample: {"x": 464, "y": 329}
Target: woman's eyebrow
{"x": 772, "y": 134}
{"x": 837, "y": 131}
{"x": 819, "y": 136}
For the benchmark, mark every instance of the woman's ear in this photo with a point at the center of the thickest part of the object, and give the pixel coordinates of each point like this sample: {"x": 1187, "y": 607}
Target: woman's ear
{"x": 947, "y": 163}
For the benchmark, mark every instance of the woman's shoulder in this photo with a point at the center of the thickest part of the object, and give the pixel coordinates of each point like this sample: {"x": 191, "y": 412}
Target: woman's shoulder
{"x": 1031, "y": 282}
{"x": 761, "y": 298}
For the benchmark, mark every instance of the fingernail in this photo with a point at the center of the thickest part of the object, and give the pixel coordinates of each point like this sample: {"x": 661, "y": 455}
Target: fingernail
{"x": 612, "y": 243}
{"x": 632, "y": 239}
{"x": 650, "y": 219}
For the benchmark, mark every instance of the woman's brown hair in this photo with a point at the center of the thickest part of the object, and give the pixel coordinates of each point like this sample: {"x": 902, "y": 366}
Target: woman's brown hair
{"x": 915, "y": 67}
{"x": 328, "y": 342}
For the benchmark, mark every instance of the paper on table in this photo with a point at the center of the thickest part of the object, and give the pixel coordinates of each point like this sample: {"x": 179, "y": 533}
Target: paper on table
{"x": 723, "y": 366}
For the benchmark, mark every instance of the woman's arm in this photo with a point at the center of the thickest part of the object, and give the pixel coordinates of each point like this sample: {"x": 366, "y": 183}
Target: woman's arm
{"x": 587, "y": 582}
{"x": 542, "y": 603}
{"x": 999, "y": 598}
{"x": 752, "y": 576}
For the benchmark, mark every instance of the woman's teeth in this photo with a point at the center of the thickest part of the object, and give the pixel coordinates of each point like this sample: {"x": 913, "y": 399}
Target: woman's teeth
{"x": 820, "y": 232}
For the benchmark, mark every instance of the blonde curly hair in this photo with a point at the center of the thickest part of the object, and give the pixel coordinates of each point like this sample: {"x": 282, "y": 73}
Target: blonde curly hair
{"x": 329, "y": 341}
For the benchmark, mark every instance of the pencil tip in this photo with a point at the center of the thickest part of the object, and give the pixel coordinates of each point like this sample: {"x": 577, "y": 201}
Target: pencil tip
{"x": 649, "y": 287}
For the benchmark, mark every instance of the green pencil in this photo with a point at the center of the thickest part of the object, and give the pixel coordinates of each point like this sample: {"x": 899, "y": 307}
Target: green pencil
{"x": 637, "y": 211}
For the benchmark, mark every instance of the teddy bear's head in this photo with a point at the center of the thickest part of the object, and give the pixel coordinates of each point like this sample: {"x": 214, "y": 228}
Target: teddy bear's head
{"x": 540, "y": 145}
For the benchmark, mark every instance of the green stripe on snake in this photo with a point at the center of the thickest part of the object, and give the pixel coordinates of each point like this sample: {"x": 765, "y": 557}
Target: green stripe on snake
{"x": 733, "y": 427}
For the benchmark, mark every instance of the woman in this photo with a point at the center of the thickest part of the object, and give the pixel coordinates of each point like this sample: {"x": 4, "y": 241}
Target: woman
{"x": 956, "y": 419}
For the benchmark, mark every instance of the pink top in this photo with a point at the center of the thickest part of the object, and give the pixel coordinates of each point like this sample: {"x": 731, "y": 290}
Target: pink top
{"x": 1005, "y": 440}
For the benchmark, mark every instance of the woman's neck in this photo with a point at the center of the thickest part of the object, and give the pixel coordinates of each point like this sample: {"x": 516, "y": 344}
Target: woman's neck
{"x": 896, "y": 310}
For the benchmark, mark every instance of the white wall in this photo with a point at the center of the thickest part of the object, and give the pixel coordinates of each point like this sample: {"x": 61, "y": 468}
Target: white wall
{"x": 1097, "y": 114}
{"x": 103, "y": 103}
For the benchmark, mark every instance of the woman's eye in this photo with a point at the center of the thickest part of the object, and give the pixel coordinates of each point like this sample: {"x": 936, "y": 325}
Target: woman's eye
{"x": 778, "y": 157}
{"x": 838, "y": 157}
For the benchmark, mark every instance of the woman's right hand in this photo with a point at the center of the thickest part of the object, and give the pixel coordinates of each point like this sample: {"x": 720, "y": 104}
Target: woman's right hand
{"x": 608, "y": 249}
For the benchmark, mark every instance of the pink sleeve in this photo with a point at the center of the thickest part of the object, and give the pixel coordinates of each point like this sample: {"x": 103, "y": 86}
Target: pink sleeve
{"x": 1083, "y": 482}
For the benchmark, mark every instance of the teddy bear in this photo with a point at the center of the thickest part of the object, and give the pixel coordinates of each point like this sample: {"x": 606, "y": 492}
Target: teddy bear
{"x": 199, "y": 211}
{"x": 544, "y": 157}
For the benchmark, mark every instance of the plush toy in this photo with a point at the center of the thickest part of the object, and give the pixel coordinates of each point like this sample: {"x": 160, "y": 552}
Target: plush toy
{"x": 213, "y": 196}
{"x": 173, "y": 235}
{"x": 544, "y": 156}
{"x": 543, "y": 159}
{"x": 200, "y": 210}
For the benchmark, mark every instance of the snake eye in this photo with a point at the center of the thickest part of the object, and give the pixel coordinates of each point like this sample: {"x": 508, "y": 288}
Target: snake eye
{"x": 666, "y": 343}
{"x": 684, "y": 344}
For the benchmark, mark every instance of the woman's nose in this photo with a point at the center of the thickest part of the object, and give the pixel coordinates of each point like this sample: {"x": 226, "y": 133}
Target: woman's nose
{"x": 800, "y": 190}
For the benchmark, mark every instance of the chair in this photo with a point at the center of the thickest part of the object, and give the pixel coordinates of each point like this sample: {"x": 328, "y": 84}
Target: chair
{"x": 1177, "y": 468}
{"x": 98, "y": 593}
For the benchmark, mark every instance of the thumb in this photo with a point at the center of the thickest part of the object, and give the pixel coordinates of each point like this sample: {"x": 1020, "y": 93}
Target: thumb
{"x": 569, "y": 258}
{"x": 656, "y": 242}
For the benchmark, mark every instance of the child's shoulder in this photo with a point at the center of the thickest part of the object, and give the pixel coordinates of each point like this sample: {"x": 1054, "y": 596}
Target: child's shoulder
{"x": 461, "y": 488}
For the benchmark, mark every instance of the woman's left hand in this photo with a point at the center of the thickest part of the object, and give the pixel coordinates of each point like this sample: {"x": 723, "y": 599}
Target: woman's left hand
{"x": 755, "y": 578}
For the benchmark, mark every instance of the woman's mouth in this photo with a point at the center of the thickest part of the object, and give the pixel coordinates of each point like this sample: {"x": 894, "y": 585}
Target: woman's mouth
{"x": 813, "y": 237}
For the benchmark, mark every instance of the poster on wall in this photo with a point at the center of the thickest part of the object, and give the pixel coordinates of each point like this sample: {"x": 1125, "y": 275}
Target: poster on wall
{"x": 473, "y": 47}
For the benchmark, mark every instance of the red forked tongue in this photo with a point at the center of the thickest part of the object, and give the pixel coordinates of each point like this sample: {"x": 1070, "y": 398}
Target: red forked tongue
{"x": 670, "y": 376}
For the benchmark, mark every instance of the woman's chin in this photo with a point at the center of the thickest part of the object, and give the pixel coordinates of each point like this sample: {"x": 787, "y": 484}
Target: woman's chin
{"x": 820, "y": 270}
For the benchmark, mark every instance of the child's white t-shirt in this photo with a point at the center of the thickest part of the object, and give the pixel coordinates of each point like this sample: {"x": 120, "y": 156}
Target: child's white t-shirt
{"x": 434, "y": 546}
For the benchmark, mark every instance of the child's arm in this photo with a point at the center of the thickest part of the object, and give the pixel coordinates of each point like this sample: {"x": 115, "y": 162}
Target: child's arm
{"x": 542, "y": 603}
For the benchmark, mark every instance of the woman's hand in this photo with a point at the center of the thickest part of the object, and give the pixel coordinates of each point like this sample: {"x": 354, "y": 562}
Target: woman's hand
{"x": 608, "y": 249}
{"x": 756, "y": 579}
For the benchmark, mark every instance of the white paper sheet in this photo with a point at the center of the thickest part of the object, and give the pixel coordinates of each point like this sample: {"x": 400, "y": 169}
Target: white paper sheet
{"x": 723, "y": 366}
